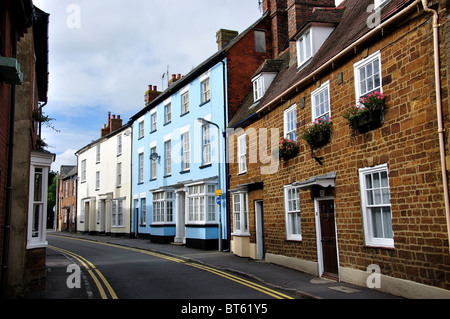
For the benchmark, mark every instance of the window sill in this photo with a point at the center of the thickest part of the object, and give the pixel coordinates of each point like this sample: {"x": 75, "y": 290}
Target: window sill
{"x": 167, "y": 123}
{"x": 168, "y": 175}
{"x": 185, "y": 171}
{"x": 205, "y": 166}
{"x": 379, "y": 247}
{"x": 184, "y": 114}
{"x": 240, "y": 234}
{"x": 206, "y": 102}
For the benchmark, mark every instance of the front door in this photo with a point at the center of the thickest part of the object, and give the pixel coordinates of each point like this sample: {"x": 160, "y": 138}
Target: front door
{"x": 328, "y": 238}
{"x": 260, "y": 249}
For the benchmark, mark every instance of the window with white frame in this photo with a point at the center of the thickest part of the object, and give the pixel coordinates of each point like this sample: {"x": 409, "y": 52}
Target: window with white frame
{"x": 368, "y": 75}
{"x": 97, "y": 180}
{"x": 117, "y": 213}
{"x": 206, "y": 144}
{"x": 141, "y": 129}
{"x": 153, "y": 121}
{"x": 258, "y": 89}
{"x": 201, "y": 203}
{"x": 292, "y": 213}
{"x": 83, "y": 171}
{"x": 168, "y": 158}
{"x": 168, "y": 113}
{"x": 304, "y": 51}
{"x": 290, "y": 123}
{"x": 240, "y": 214}
{"x": 376, "y": 206}
{"x": 38, "y": 192}
{"x": 143, "y": 211}
{"x": 185, "y": 103}
{"x": 119, "y": 174}
{"x": 206, "y": 94}
{"x": 153, "y": 164}
{"x": 185, "y": 152}
{"x": 242, "y": 153}
{"x": 320, "y": 100}
{"x": 163, "y": 206}
{"x": 119, "y": 144}
{"x": 97, "y": 158}
{"x": 141, "y": 167}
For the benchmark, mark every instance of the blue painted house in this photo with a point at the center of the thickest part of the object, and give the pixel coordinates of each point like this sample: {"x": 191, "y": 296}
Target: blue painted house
{"x": 179, "y": 169}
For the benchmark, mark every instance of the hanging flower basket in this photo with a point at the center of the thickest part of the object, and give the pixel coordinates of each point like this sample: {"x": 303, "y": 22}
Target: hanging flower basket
{"x": 288, "y": 149}
{"x": 318, "y": 133}
{"x": 368, "y": 115}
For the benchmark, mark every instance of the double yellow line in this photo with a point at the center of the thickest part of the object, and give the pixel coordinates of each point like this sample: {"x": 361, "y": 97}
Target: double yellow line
{"x": 91, "y": 269}
{"x": 255, "y": 286}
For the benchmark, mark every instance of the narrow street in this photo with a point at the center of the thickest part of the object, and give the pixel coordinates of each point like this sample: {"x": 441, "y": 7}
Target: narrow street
{"x": 118, "y": 272}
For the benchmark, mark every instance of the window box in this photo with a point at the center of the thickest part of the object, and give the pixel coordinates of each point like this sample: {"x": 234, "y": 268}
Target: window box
{"x": 288, "y": 149}
{"x": 318, "y": 133}
{"x": 368, "y": 115}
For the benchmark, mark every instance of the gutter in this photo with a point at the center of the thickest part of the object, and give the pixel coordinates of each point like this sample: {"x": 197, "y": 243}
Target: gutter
{"x": 441, "y": 129}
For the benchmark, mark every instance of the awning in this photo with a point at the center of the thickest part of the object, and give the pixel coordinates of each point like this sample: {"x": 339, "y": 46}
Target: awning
{"x": 324, "y": 181}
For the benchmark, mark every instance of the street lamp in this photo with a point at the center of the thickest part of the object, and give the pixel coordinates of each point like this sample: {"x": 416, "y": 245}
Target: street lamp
{"x": 206, "y": 122}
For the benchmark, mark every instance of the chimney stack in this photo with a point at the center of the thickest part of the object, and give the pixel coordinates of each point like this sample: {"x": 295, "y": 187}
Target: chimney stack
{"x": 223, "y": 37}
{"x": 278, "y": 13}
{"x": 174, "y": 78}
{"x": 151, "y": 94}
{"x": 113, "y": 124}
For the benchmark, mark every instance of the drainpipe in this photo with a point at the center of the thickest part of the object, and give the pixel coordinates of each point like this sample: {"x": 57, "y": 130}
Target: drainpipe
{"x": 441, "y": 129}
{"x": 7, "y": 223}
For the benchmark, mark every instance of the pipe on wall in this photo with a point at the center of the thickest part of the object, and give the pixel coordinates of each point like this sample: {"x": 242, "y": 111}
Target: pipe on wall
{"x": 441, "y": 129}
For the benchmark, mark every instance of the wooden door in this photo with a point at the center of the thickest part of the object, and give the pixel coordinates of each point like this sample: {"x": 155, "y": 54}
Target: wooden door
{"x": 328, "y": 240}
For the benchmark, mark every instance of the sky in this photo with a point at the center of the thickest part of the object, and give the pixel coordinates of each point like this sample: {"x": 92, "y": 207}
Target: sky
{"x": 103, "y": 54}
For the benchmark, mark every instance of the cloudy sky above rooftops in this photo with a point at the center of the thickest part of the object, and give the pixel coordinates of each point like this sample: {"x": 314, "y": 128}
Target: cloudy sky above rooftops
{"x": 103, "y": 54}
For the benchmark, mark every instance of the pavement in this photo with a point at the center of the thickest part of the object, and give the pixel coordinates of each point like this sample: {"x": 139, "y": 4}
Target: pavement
{"x": 290, "y": 280}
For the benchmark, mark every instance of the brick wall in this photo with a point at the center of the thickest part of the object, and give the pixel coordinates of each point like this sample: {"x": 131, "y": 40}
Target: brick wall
{"x": 243, "y": 62}
{"x": 407, "y": 142}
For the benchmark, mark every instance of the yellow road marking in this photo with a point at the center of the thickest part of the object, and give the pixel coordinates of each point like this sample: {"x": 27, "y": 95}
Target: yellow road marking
{"x": 263, "y": 289}
{"x": 90, "y": 267}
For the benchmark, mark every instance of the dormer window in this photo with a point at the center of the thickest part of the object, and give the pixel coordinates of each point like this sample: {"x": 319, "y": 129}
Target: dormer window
{"x": 261, "y": 83}
{"x": 310, "y": 40}
{"x": 304, "y": 48}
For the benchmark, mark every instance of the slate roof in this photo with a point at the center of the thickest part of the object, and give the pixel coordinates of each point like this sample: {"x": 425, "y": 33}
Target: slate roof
{"x": 352, "y": 26}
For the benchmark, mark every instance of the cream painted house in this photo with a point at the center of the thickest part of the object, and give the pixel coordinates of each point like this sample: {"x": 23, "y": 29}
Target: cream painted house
{"x": 104, "y": 181}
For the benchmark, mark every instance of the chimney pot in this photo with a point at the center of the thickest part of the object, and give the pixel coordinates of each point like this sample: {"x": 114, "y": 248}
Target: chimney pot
{"x": 155, "y": 88}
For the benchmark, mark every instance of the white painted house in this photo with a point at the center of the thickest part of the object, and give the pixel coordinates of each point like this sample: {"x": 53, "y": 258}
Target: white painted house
{"x": 104, "y": 181}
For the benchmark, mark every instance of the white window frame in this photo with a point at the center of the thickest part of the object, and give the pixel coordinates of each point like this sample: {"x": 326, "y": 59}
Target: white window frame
{"x": 185, "y": 151}
{"x": 141, "y": 129}
{"x": 143, "y": 210}
{"x": 97, "y": 180}
{"x": 37, "y": 211}
{"x": 323, "y": 89}
{"x": 97, "y": 154}
{"x": 200, "y": 203}
{"x": 368, "y": 204}
{"x": 205, "y": 90}
{"x": 163, "y": 205}
{"x": 290, "y": 123}
{"x": 153, "y": 120}
{"x": 141, "y": 167}
{"x": 357, "y": 74}
{"x": 185, "y": 102}
{"x": 117, "y": 213}
{"x": 240, "y": 214}
{"x": 83, "y": 171}
{"x": 119, "y": 144}
{"x": 153, "y": 164}
{"x": 242, "y": 153}
{"x": 206, "y": 144}
{"x": 119, "y": 174}
{"x": 168, "y": 158}
{"x": 167, "y": 113}
{"x": 292, "y": 213}
{"x": 258, "y": 88}
{"x": 304, "y": 48}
